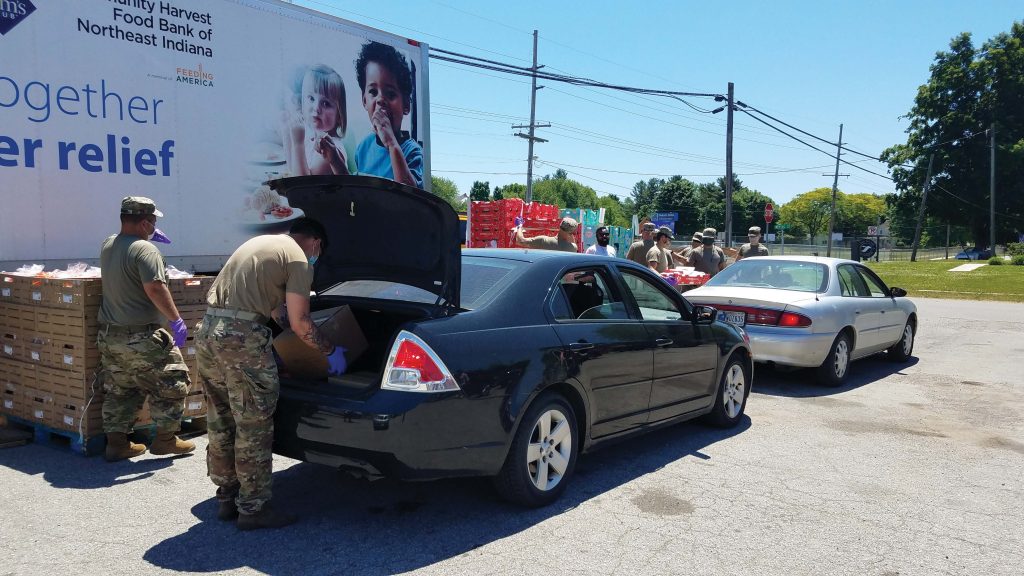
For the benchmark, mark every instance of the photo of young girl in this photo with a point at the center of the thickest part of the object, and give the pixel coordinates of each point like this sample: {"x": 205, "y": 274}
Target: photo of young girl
{"x": 386, "y": 82}
{"x": 314, "y": 123}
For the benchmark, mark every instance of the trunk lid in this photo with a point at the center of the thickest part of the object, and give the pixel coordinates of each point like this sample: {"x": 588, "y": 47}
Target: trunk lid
{"x": 381, "y": 230}
{"x": 757, "y": 297}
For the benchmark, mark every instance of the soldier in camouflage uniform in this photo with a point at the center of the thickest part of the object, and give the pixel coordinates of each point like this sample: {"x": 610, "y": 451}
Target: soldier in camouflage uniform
{"x": 267, "y": 277}
{"x": 754, "y": 247}
{"x": 139, "y": 358}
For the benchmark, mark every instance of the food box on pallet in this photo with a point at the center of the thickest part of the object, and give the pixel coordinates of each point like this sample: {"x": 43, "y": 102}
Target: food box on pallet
{"x": 76, "y": 415}
{"x": 186, "y": 291}
{"x": 12, "y": 380}
{"x": 39, "y": 404}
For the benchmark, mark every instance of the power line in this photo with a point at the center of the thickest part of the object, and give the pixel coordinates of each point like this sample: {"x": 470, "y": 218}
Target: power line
{"x": 813, "y": 147}
{"x": 984, "y": 209}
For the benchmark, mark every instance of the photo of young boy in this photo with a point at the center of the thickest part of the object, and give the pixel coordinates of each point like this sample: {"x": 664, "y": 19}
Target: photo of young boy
{"x": 386, "y": 82}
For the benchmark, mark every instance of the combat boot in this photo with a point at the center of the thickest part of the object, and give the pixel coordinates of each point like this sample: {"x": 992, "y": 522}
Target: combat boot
{"x": 227, "y": 510}
{"x": 120, "y": 448}
{"x": 267, "y": 517}
{"x": 167, "y": 443}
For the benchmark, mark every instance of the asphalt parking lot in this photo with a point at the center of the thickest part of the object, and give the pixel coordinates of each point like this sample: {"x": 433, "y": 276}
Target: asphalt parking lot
{"x": 909, "y": 469}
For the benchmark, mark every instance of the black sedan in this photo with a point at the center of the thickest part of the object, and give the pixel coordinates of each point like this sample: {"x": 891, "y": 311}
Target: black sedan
{"x": 503, "y": 363}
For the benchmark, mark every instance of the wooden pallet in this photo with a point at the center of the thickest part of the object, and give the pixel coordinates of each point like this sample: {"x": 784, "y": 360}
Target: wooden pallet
{"x": 64, "y": 439}
{"x": 92, "y": 445}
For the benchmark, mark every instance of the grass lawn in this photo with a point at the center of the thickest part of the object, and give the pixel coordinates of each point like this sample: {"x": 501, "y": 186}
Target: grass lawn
{"x": 932, "y": 279}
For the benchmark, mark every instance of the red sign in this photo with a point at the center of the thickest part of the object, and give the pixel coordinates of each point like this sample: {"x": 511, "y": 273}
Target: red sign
{"x": 769, "y": 213}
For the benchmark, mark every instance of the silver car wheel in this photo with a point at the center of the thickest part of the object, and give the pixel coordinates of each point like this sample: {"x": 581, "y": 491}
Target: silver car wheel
{"x": 547, "y": 456}
{"x": 734, "y": 391}
{"x": 908, "y": 340}
{"x": 842, "y": 358}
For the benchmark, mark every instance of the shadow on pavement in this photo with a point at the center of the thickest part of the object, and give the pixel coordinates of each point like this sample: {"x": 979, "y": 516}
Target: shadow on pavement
{"x": 350, "y": 526}
{"x": 777, "y": 381}
{"x": 83, "y": 473}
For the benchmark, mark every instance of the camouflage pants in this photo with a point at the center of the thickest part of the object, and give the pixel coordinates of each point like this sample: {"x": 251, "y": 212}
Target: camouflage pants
{"x": 238, "y": 372}
{"x": 136, "y": 363}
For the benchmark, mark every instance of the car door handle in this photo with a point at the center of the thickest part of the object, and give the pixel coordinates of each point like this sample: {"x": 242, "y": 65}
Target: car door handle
{"x": 581, "y": 346}
{"x": 664, "y": 342}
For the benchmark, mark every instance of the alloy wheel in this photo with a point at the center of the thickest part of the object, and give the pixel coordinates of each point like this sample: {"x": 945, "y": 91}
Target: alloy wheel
{"x": 842, "y": 357}
{"x": 908, "y": 340}
{"x": 550, "y": 449}
{"x": 734, "y": 391}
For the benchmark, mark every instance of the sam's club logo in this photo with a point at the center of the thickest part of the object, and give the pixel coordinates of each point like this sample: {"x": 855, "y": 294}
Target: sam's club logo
{"x": 12, "y": 12}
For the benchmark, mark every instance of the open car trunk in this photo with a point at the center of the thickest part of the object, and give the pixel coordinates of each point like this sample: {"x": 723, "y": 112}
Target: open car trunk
{"x": 379, "y": 325}
{"x": 397, "y": 246}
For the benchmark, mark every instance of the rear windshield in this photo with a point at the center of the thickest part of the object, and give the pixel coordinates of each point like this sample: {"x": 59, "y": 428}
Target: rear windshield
{"x": 482, "y": 279}
{"x": 781, "y": 274}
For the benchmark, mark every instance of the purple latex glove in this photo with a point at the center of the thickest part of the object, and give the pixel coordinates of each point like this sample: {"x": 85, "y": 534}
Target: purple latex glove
{"x": 159, "y": 236}
{"x": 336, "y": 361}
{"x": 180, "y": 332}
{"x": 518, "y": 221}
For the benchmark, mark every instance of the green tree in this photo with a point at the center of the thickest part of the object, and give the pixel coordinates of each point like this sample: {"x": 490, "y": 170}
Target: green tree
{"x": 514, "y": 190}
{"x": 614, "y": 212}
{"x": 481, "y": 191}
{"x": 447, "y": 189}
{"x": 969, "y": 90}
{"x": 859, "y": 212}
{"x": 809, "y": 212}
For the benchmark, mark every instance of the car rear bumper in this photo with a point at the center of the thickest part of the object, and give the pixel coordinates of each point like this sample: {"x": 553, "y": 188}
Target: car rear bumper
{"x": 397, "y": 434}
{"x": 789, "y": 347}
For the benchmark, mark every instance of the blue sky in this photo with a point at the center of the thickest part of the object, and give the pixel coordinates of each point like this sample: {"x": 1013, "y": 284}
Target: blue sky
{"x": 812, "y": 64}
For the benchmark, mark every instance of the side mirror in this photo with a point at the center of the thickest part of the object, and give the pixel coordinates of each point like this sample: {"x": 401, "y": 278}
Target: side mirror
{"x": 897, "y": 292}
{"x": 704, "y": 314}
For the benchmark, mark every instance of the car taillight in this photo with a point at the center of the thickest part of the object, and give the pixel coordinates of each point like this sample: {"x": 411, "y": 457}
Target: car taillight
{"x": 793, "y": 320}
{"x": 768, "y": 317}
{"x": 413, "y": 367}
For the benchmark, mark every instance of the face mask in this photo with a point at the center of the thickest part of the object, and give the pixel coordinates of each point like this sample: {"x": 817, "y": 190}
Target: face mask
{"x": 312, "y": 259}
{"x": 159, "y": 236}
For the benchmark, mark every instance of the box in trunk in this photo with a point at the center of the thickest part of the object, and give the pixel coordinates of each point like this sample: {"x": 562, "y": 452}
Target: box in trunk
{"x": 340, "y": 328}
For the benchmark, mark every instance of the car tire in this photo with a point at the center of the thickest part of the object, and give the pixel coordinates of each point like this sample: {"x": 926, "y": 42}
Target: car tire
{"x": 731, "y": 398}
{"x": 833, "y": 370}
{"x": 902, "y": 349}
{"x": 543, "y": 454}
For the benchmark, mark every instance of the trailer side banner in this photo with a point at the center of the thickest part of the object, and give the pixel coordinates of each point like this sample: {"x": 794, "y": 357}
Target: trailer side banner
{"x": 196, "y": 104}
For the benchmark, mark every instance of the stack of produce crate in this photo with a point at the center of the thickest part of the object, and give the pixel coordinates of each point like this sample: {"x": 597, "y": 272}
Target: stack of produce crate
{"x": 491, "y": 223}
{"x": 48, "y": 355}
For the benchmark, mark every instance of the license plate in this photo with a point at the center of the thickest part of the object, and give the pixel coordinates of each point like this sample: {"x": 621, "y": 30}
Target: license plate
{"x": 737, "y": 318}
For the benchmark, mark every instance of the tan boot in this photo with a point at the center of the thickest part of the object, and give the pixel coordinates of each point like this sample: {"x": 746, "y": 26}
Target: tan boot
{"x": 267, "y": 517}
{"x": 167, "y": 443}
{"x": 120, "y": 448}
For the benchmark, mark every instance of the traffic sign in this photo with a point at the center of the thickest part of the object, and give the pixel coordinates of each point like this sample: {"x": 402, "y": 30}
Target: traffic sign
{"x": 867, "y": 248}
{"x": 781, "y": 226}
{"x": 769, "y": 213}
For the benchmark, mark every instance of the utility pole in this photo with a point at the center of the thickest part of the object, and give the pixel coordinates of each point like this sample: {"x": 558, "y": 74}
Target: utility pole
{"x": 835, "y": 186}
{"x": 533, "y": 124}
{"x": 920, "y": 212}
{"x": 992, "y": 191}
{"x": 947, "y": 240}
{"x": 728, "y": 170}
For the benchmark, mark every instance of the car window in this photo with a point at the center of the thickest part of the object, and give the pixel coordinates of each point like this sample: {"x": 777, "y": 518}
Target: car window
{"x": 653, "y": 302}
{"x": 482, "y": 280}
{"x": 875, "y": 285}
{"x": 584, "y": 294}
{"x": 795, "y": 275}
{"x": 852, "y": 283}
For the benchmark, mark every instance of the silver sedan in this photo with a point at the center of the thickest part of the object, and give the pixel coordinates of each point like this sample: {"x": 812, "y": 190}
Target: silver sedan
{"x": 806, "y": 311}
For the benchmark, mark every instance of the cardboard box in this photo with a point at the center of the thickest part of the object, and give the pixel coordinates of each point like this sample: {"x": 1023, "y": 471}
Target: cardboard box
{"x": 340, "y": 328}
{"x": 187, "y": 291}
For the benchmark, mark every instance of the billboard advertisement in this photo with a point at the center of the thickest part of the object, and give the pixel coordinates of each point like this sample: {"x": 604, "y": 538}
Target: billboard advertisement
{"x": 196, "y": 104}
